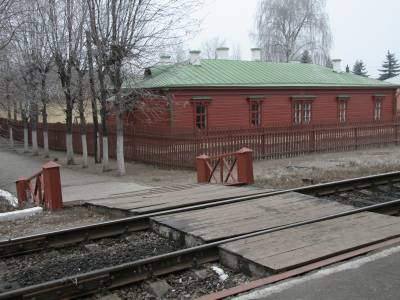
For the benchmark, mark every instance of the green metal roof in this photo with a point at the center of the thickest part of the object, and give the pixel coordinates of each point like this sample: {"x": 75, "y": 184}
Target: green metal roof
{"x": 247, "y": 74}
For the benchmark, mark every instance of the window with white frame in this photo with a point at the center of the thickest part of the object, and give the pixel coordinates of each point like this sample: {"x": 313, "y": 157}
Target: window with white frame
{"x": 342, "y": 111}
{"x": 302, "y": 112}
{"x": 201, "y": 115}
{"x": 378, "y": 109}
{"x": 255, "y": 113}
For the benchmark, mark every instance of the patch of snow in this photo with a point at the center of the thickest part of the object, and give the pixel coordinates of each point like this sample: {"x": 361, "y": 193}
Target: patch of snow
{"x": 10, "y": 198}
{"x": 20, "y": 214}
{"x": 221, "y": 273}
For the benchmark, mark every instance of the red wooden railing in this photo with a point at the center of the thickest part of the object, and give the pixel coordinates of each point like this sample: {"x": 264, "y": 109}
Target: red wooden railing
{"x": 234, "y": 168}
{"x": 178, "y": 148}
{"x": 47, "y": 188}
{"x": 225, "y": 161}
{"x": 27, "y": 193}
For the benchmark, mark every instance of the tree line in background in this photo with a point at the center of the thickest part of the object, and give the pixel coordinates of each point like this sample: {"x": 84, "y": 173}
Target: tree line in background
{"x": 78, "y": 54}
{"x": 298, "y": 30}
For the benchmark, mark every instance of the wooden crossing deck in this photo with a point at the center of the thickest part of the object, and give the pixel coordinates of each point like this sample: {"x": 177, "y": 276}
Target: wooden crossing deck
{"x": 282, "y": 250}
{"x": 223, "y": 221}
{"x": 291, "y": 248}
{"x": 160, "y": 198}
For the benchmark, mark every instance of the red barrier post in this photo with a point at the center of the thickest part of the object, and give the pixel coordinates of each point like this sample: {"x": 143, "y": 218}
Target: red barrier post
{"x": 52, "y": 186}
{"x": 203, "y": 172}
{"x": 245, "y": 166}
{"x": 22, "y": 185}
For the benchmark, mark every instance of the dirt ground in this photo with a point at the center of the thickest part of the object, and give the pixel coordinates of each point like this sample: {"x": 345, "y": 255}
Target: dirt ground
{"x": 50, "y": 221}
{"x": 280, "y": 173}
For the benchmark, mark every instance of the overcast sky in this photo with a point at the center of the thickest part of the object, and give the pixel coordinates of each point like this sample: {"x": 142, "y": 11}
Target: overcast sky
{"x": 362, "y": 29}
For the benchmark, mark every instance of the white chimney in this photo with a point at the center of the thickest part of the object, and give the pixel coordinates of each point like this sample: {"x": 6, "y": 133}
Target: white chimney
{"x": 165, "y": 60}
{"x": 255, "y": 54}
{"x": 337, "y": 65}
{"x": 222, "y": 53}
{"x": 195, "y": 58}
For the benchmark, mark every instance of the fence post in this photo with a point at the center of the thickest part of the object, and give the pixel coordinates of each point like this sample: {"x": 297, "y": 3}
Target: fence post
{"x": 245, "y": 166}
{"x": 312, "y": 141}
{"x": 203, "y": 172}
{"x": 52, "y": 186}
{"x": 356, "y": 137}
{"x": 22, "y": 186}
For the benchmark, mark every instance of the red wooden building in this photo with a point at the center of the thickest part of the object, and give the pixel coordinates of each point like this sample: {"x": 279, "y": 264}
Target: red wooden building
{"x": 223, "y": 93}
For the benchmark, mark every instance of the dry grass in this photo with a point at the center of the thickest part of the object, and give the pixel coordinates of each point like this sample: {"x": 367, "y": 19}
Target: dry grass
{"x": 320, "y": 176}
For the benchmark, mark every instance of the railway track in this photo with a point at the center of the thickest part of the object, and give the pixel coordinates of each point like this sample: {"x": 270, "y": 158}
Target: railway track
{"x": 139, "y": 270}
{"x": 132, "y": 272}
{"x": 68, "y": 237}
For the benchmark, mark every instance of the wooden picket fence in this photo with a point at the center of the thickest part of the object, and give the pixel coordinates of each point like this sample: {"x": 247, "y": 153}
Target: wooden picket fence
{"x": 179, "y": 148}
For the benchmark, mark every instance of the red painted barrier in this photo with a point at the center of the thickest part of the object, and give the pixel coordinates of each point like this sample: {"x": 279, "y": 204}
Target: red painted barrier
{"x": 47, "y": 191}
{"x": 221, "y": 168}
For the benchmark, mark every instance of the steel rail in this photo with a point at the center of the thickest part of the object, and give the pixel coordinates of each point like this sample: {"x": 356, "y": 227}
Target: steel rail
{"x": 132, "y": 272}
{"x": 71, "y": 236}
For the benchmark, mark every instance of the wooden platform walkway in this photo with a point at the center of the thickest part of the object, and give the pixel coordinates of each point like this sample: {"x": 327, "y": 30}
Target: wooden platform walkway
{"x": 169, "y": 197}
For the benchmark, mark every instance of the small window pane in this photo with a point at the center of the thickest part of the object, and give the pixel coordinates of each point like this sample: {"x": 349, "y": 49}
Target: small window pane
{"x": 255, "y": 114}
{"x": 201, "y": 116}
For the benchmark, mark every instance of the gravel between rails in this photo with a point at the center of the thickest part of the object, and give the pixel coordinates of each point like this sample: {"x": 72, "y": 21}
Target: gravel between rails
{"x": 184, "y": 285}
{"x": 54, "y": 264}
{"x": 368, "y": 196}
{"x": 50, "y": 221}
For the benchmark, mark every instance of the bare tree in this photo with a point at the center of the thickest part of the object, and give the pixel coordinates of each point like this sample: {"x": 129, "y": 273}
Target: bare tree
{"x": 236, "y": 52}
{"x": 9, "y": 21}
{"x": 129, "y": 33}
{"x": 94, "y": 97}
{"x": 66, "y": 19}
{"x": 5, "y": 88}
{"x": 99, "y": 31}
{"x": 209, "y": 47}
{"x": 81, "y": 66}
{"x": 286, "y": 28}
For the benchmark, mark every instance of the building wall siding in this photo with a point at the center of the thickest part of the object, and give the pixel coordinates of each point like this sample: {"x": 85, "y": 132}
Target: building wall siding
{"x": 230, "y": 108}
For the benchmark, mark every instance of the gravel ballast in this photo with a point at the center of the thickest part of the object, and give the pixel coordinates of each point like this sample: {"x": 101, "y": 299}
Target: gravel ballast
{"x": 185, "y": 285}
{"x": 55, "y": 264}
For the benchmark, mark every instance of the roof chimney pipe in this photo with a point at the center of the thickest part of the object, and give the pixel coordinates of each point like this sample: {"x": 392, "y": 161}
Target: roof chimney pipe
{"x": 165, "y": 60}
{"x": 222, "y": 53}
{"x": 195, "y": 57}
{"x": 337, "y": 65}
{"x": 255, "y": 54}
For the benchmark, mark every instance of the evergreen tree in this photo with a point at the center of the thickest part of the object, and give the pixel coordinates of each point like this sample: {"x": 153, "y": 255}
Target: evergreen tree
{"x": 359, "y": 69}
{"x": 306, "y": 58}
{"x": 390, "y": 68}
{"x": 347, "y": 69}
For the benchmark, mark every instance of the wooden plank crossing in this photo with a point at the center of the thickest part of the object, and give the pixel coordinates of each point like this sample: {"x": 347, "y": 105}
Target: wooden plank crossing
{"x": 291, "y": 248}
{"x": 147, "y": 201}
{"x": 243, "y": 217}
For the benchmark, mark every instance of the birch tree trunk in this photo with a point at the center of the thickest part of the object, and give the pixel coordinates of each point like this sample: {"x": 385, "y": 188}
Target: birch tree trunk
{"x": 69, "y": 144}
{"x": 34, "y": 122}
{"x": 103, "y": 113}
{"x": 120, "y": 141}
{"x": 11, "y": 135}
{"x": 26, "y": 137}
{"x": 44, "y": 118}
{"x": 93, "y": 98}
{"x": 9, "y": 120}
{"x": 82, "y": 120}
